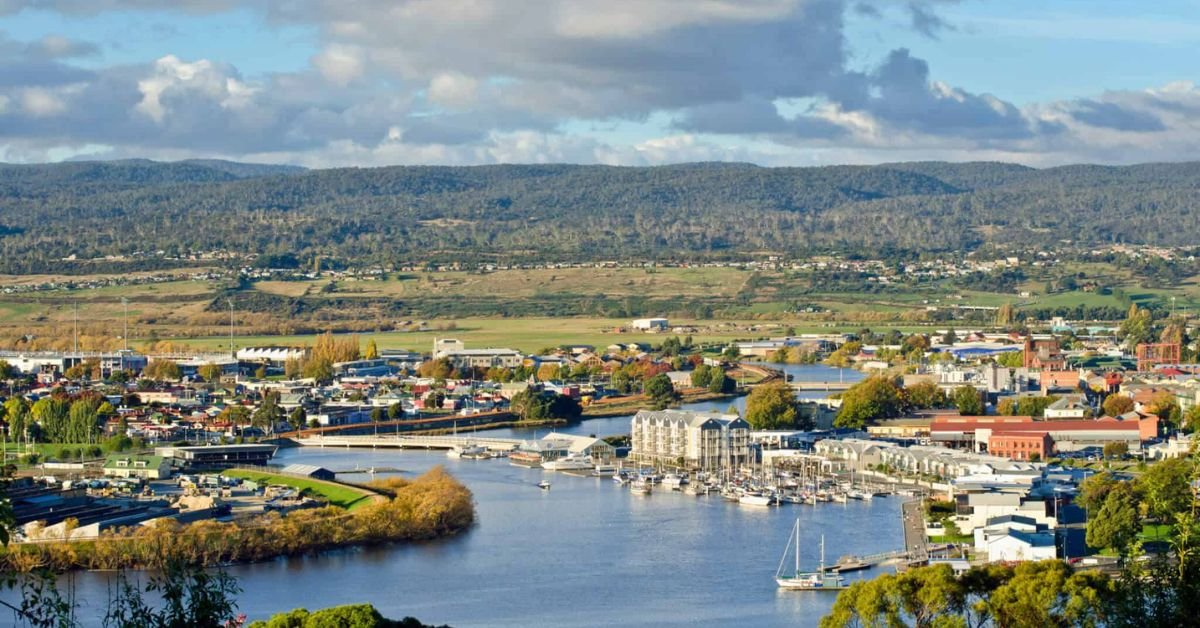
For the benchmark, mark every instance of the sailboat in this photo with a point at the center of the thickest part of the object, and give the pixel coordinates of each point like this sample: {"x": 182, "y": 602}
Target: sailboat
{"x": 819, "y": 580}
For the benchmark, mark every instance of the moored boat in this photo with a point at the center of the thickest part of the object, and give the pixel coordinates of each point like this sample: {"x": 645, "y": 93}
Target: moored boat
{"x": 819, "y": 580}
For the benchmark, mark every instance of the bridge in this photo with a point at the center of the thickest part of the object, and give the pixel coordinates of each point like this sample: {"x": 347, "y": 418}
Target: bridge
{"x": 398, "y": 441}
{"x": 822, "y": 386}
{"x": 433, "y": 423}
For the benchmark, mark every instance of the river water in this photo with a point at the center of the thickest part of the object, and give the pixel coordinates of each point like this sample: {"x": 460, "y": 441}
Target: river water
{"x": 585, "y": 553}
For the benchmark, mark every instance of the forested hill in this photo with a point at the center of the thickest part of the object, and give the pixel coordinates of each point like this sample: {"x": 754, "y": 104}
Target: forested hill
{"x": 558, "y": 212}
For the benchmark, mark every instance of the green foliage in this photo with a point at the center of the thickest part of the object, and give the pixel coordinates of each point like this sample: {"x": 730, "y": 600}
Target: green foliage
{"x": 533, "y": 405}
{"x": 349, "y": 616}
{"x": 1011, "y": 359}
{"x": 968, "y": 400}
{"x": 1045, "y": 593}
{"x": 924, "y": 395}
{"x": 1117, "y": 404}
{"x": 1116, "y": 524}
{"x": 189, "y": 597}
{"x": 873, "y": 399}
{"x": 701, "y": 376}
{"x": 771, "y": 407}
{"x": 721, "y": 383}
{"x": 1165, "y": 488}
{"x": 660, "y": 391}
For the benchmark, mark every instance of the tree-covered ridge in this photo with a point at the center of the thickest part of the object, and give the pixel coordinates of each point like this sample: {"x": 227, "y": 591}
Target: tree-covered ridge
{"x": 553, "y": 212}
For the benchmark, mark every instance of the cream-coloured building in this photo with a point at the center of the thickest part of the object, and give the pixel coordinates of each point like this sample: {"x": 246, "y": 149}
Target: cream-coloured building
{"x": 709, "y": 441}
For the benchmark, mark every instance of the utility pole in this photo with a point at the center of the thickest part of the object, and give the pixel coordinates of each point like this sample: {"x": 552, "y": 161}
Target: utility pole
{"x": 232, "y": 353}
{"x": 77, "y": 329}
{"x": 125, "y": 302}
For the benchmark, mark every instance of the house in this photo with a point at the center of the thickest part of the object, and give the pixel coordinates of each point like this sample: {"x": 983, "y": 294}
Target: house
{"x": 1069, "y": 407}
{"x": 1044, "y": 354}
{"x": 997, "y": 527}
{"x": 1021, "y": 546}
{"x": 140, "y": 467}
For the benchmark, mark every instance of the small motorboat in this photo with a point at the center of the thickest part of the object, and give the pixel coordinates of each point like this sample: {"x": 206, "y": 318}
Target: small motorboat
{"x": 544, "y": 485}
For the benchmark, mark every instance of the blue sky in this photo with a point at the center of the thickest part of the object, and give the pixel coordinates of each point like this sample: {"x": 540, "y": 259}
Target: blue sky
{"x": 776, "y": 82}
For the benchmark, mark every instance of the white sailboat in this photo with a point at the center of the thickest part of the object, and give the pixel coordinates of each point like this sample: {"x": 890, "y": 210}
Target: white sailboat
{"x": 819, "y": 580}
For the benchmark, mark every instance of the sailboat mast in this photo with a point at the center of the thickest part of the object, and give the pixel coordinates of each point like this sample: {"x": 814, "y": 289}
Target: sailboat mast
{"x": 796, "y": 531}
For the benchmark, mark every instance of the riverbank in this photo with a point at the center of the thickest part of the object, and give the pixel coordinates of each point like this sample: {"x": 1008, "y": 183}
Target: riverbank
{"x": 431, "y": 506}
{"x": 631, "y": 404}
{"x": 334, "y": 493}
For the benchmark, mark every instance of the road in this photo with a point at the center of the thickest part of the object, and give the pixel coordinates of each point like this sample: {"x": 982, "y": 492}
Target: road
{"x": 914, "y": 531}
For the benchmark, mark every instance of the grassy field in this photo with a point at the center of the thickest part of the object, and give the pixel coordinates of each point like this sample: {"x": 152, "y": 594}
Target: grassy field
{"x": 525, "y": 334}
{"x": 665, "y": 282}
{"x": 339, "y": 495}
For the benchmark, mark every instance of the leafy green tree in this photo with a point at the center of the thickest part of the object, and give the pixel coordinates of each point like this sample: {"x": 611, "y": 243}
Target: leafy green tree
{"x": 873, "y": 399}
{"x": 395, "y": 411}
{"x": 924, "y": 394}
{"x": 1117, "y": 404}
{"x": 16, "y": 414}
{"x": 968, "y": 400}
{"x": 1116, "y": 524}
{"x": 162, "y": 370}
{"x": 1011, "y": 359}
{"x": 1165, "y": 488}
{"x": 731, "y": 353}
{"x": 720, "y": 383}
{"x": 701, "y": 376}
{"x": 1094, "y": 489}
{"x": 660, "y": 391}
{"x": 210, "y": 372}
{"x": 297, "y": 417}
{"x": 771, "y": 407}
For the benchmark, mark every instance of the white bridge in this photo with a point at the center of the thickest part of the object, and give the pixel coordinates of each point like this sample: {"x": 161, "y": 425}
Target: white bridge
{"x": 410, "y": 442}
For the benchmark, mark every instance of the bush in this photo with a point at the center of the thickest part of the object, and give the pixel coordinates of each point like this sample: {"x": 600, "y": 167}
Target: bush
{"x": 94, "y": 451}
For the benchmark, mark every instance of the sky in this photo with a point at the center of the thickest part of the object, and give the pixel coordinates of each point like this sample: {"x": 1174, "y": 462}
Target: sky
{"x": 332, "y": 83}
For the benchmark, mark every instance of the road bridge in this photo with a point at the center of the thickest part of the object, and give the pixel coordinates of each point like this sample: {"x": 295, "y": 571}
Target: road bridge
{"x": 826, "y": 386}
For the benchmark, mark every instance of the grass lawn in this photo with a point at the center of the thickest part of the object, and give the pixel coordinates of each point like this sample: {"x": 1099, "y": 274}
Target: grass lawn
{"x": 1155, "y": 532}
{"x": 952, "y": 538}
{"x": 531, "y": 334}
{"x": 340, "y": 495}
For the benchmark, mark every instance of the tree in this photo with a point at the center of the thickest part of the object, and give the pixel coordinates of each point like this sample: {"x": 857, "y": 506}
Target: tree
{"x": 1006, "y": 406}
{"x": 1137, "y": 326}
{"x": 949, "y": 337}
{"x": 1117, "y": 404}
{"x": 297, "y": 417}
{"x": 16, "y": 414}
{"x": 372, "y": 351}
{"x": 731, "y": 353}
{"x": 968, "y": 401}
{"x": 720, "y": 383}
{"x": 701, "y": 376}
{"x": 660, "y": 391}
{"x": 1011, "y": 359}
{"x": 210, "y": 372}
{"x": 1094, "y": 489}
{"x": 162, "y": 370}
{"x": 1116, "y": 524}
{"x": 924, "y": 394}
{"x": 870, "y": 400}
{"x": 395, "y": 411}
{"x": 1005, "y": 315}
{"x": 268, "y": 414}
{"x": 771, "y": 407}
{"x": 1115, "y": 451}
{"x": 1165, "y": 488}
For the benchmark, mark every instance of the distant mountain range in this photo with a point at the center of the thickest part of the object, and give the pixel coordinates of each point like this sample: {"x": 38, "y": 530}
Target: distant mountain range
{"x": 527, "y": 212}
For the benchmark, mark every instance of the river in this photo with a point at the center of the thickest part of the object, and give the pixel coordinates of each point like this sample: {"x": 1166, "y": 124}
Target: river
{"x": 585, "y": 553}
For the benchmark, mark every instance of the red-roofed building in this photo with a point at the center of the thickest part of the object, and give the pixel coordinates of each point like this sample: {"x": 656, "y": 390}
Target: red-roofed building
{"x": 1011, "y": 434}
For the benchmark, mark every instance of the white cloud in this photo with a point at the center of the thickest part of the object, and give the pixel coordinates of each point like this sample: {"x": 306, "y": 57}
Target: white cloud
{"x": 453, "y": 90}
{"x": 41, "y": 103}
{"x": 340, "y": 64}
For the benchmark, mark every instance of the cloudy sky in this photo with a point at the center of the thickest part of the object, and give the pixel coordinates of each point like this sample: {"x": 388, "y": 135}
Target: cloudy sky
{"x": 775, "y": 82}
